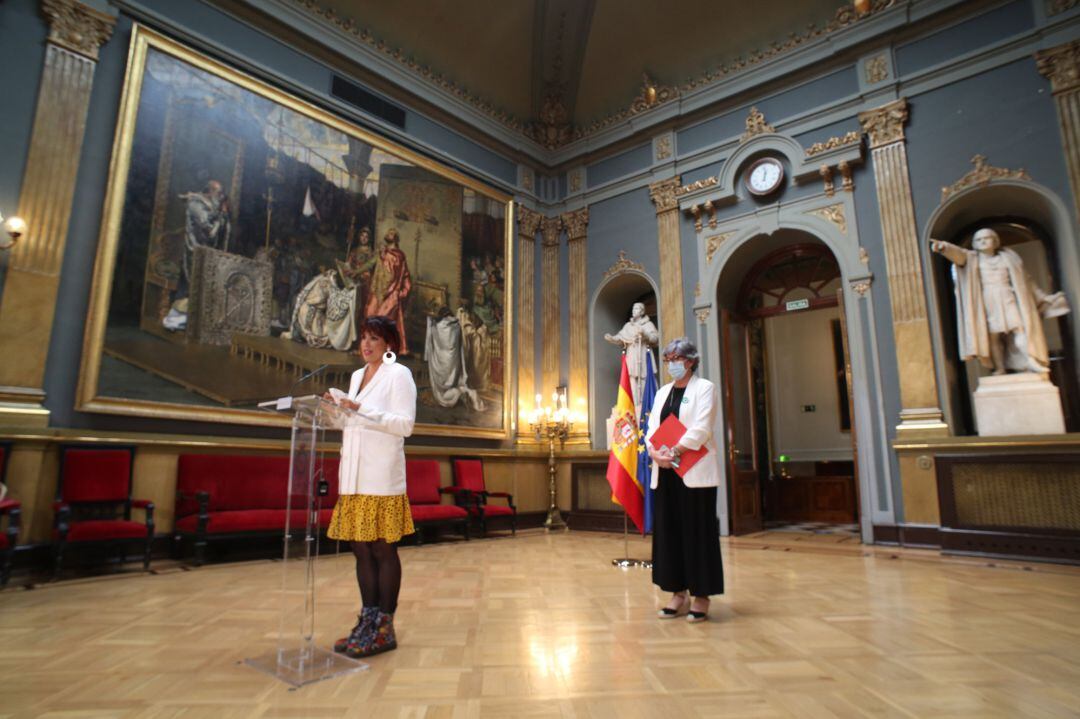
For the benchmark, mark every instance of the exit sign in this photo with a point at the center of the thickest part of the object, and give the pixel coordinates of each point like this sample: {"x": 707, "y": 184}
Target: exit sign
{"x": 797, "y": 305}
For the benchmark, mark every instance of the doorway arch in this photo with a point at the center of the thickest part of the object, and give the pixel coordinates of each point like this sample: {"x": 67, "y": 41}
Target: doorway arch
{"x": 751, "y": 238}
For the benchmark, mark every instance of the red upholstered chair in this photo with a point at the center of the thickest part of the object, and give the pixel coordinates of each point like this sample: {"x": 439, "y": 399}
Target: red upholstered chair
{"x": 11, "y": 509}
{"x": 422, "y": 480}
{"x": 472, "y": 493}
{"x": 93, "y": 502}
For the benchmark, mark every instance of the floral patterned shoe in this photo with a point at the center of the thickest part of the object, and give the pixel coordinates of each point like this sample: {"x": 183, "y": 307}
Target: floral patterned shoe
{"x": 364, "y": 623}
{"x": 384, "y": 638}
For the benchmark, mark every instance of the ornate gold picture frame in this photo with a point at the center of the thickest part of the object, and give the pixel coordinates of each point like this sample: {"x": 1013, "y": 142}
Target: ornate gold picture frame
{"x": 247, "y": 233}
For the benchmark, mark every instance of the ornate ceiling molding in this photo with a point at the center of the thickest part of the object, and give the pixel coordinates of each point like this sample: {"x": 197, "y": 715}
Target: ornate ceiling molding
{"x": 554, "y": 128}
{"x": 982, "y": 174}
{"x": 623, "y": 264}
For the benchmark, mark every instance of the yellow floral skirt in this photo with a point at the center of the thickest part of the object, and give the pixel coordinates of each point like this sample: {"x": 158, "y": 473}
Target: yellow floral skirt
{"x": 369, "y": 517}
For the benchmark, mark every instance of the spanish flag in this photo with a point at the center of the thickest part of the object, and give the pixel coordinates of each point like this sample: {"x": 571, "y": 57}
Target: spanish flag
{"x": 623, "y": 460}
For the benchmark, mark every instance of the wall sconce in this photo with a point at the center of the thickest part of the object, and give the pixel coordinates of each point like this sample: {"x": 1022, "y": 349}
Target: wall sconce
{"x": 14, "y": 227}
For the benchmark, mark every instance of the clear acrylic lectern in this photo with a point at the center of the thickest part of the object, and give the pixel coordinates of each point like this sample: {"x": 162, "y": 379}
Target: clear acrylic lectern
{"x": 297, "y": 661}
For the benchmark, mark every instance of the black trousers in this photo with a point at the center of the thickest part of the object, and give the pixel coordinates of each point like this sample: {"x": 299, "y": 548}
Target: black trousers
{"x": 686, "y": 538}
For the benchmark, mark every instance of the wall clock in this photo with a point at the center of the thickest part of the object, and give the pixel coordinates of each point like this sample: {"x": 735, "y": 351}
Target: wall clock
{"x": 764, "y": 176}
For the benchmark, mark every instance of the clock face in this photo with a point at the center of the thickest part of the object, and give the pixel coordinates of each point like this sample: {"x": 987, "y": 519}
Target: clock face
{"x": 764, "y": 176}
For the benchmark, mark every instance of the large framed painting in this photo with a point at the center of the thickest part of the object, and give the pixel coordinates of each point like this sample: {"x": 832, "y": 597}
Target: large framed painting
{"x": 246, "y": 236}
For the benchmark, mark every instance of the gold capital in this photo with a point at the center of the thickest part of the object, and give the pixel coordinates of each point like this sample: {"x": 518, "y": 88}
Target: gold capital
{"x": 663, "y": 194}
{"x": 1061, "y": 65}
{"x": 528, "y": 221}
{"x": 76, "y": 27}
{"x": 575, "y": 223}
{"x": 885, "y": 125}
{"x": 550, "y": 228}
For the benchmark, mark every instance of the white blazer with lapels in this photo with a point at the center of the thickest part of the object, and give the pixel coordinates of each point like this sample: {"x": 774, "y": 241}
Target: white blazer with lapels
{"x": 698, "y": 413}
{"x": 373, "y": 441}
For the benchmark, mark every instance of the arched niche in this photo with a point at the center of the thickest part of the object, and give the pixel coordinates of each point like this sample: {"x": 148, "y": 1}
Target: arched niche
{"x": 609, "y": 311}
{"x": 1036, "y": 224}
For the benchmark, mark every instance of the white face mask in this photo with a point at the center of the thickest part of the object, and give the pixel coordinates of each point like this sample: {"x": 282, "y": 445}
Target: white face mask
{"x": 677, "y": 370}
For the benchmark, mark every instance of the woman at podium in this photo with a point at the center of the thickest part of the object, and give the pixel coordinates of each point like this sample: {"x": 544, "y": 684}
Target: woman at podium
{"x": 685, "y": 477}
{"x": 372, "y": 512}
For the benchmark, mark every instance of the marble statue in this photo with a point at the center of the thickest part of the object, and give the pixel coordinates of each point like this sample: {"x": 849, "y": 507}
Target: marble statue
{"x": 637, "y": 337}
{"x": 999, "y": 309}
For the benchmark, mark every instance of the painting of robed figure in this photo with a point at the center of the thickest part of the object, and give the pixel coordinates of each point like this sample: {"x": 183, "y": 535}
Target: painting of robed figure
{"x": 248, "y": 234}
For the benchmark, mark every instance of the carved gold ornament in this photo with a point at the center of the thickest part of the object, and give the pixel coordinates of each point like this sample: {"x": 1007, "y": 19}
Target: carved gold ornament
{"x": 550, "y": 229}
{"x": 755, "y": 125}
{"x": 651, "y": 95}
{"x": 623, "y": 264}
{"x": 699, "y": 185}
{"x": 713, "y": 243}
{"x": 663, "y": 148}
{"x": 885, "y": 125}
{"x": 861, "y": 287}
{"x": 575, "y": 181}
{"x": 983, "y": 174}
{"x": 832, "y": 143}
{"x": 833, "y": 214}
{"x": 826, "y": 176}
{"x": 877, "y": 69}
{"x": 703, "y": 314}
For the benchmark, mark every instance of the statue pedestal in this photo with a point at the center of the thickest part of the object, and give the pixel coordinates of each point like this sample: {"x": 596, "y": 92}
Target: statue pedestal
{"x": 1023, "y": 403}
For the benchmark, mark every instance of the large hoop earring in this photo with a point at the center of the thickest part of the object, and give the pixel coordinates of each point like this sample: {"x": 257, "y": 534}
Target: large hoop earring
{"x": 389, "y": 357}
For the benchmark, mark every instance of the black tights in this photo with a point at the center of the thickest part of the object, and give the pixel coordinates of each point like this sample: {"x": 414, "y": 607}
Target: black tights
{"x": 378, "y": 572}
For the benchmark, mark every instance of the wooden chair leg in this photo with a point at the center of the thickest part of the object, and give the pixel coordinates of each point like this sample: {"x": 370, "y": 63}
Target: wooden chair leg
{"x": 146, "y": 553}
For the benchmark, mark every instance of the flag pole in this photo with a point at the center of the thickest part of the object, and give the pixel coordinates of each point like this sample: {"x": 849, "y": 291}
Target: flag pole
{"x": 626, "y": 561}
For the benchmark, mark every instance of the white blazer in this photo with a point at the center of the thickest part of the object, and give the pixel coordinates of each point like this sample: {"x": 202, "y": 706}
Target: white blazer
{"x": 698, "y": 413}
{"x": 373, "y": 442}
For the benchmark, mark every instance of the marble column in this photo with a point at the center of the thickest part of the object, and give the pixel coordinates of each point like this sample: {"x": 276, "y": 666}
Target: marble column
{"x": 528, "y": 224}
{"x": 672, "y": 323}
{"x": 1061, "y": 65}
{"x": 920, "y": 408}
{"x": 578, "y": 390}
{"x": 28, "y": 306}
{"x": 550, "y": 230}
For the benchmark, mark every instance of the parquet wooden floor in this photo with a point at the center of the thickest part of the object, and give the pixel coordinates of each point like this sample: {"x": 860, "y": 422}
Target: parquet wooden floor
{"x": 543, "y": 626}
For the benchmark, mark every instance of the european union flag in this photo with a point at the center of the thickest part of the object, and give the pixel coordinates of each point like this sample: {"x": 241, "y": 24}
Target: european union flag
{"x": 644, "y": 462}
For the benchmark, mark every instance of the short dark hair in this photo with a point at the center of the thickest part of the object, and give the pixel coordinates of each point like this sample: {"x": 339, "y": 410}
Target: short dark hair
{"x": 384, "y": 328}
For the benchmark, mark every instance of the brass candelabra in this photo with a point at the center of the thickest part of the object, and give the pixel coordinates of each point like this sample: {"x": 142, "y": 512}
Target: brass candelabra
{"x": 553, "y": 423}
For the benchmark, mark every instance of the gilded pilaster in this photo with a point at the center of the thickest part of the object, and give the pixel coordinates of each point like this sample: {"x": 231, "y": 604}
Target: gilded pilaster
{"x": 528, "y": 224}
{"x": 1061, "y": 65}
{"x": 550, "y": 229}
{"x": 920, "y": 411}
{"x": 576, "y": 224}
{"x": 671, "y": 287}
{"x": 48, "y": 186}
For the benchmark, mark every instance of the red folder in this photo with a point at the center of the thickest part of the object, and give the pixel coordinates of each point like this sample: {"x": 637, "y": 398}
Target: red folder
{"x": 668, "y": 435}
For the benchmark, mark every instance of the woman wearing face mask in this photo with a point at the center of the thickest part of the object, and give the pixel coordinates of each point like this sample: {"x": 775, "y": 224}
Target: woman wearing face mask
{"x": 686, "y": 531}
{"x": 372, "y": 511}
